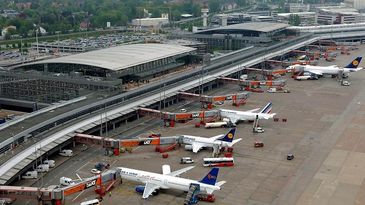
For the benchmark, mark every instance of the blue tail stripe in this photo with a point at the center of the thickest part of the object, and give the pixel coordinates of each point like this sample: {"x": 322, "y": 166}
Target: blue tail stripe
{"x": 355, "y": 63}
{"x": 229, "y": 136}
{"x": 211, "y": 177}
{"x": 267, "y": 108}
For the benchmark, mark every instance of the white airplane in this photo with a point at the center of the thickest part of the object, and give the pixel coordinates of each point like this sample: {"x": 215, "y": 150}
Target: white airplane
{"x": 328, "y": 70}
{"x": 250, "y": 115}
{"x": 170, "y": 180}
{"x": 195, "y": 143}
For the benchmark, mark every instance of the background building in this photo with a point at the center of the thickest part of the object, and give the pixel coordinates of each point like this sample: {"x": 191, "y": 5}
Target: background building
{"x": 151, "y": 23}
{"x": 338, "y": 15}
{"x": 357, "y": 4}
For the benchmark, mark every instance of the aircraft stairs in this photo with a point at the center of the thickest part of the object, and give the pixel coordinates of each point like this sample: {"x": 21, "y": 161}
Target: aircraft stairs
{"x": 191, "y": 197}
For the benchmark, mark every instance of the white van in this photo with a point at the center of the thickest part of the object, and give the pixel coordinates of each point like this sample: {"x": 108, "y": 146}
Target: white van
{"x": 42, "y": 168}
{"x": 66, "y": 181}
{"x": 91, "y": 202}
{"x": 66, "y": 153}
{"x": 30, "y": 175}
{"x": 244, "y": 77}
{"x": 186, "y": 160}
{"x": 51, "y": 163}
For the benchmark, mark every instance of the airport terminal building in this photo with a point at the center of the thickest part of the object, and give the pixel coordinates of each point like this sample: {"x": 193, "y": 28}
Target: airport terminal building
{"x": 135, "y": 61}
{"x": 237, "y": 36}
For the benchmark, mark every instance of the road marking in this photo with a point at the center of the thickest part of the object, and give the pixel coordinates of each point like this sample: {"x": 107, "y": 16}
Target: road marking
{"x": 82, "y": 167}
{"x": 78, "y": 195}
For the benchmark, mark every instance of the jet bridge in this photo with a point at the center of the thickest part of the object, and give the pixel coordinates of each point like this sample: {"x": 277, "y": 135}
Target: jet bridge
{"x": 117, "y": 144}
{"x": 180, "y": 117}
{"x": 269, "y": 74}
{"x": 207, "y": 101}
{"x": 57, "y": 195}
{"x": 254, "y": 85}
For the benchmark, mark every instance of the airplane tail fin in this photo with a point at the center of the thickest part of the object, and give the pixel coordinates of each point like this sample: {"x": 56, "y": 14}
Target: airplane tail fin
{"x": 229, "y": 136}
{"x": 355, "y": 63}
{"x": 211, "y": 177}
{"x": 267, "y": 108}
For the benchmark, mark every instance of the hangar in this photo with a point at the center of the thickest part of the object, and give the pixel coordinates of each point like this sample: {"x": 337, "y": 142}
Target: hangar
{"x": 128, "y": 61}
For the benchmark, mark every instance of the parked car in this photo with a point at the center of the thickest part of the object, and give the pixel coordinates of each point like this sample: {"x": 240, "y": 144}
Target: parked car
{"x": 345, "y": 83}
{"x": 30, "y": 175}
{"x": 186, "y": 160}
{"x": 258, "y": 130}
{"x": 259, "y": 144}
{"x": 51, "y": 163}
{"x": 183, "y": 110}
{"x": 66, "y": 153}
{"x": 95, "y": 171}
{"x": 290, "y": 157}
{"x": 42, "y": 168}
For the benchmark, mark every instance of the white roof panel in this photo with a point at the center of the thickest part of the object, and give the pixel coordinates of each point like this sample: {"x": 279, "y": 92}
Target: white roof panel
{"x": 252, "y": 26}
{"x": 121, "y": 57}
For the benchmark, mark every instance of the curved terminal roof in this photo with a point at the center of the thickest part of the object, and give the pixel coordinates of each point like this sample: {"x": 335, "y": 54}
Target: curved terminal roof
{"x": 121, "y": 57}
{"x": 254, "y": 26}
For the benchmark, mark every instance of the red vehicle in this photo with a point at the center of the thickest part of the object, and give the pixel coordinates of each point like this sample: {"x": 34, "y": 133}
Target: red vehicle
{"x": 259, "y": 144}
{"x": 228, "y": 154}
{"x": 154, "y": 135}
{"x": 206, "y": 197}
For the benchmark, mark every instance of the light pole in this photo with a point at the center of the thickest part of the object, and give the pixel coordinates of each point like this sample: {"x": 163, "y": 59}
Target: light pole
{"x": 36, "y": 38}
{"x": 21, "y": 45}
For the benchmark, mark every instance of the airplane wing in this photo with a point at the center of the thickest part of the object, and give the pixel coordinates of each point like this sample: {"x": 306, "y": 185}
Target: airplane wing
{"x": 315, "y": 72}
{"x": 269, "y": 116}
{"x": 149, "y": 189}
{"x": 216, "y": 137}
{"x": 197, "y": 147}
{"x": 180, "y": 171}
{"x": 235, "y": 141}
{"x": 220, "y": 183}
{"x": 234, "y": 120}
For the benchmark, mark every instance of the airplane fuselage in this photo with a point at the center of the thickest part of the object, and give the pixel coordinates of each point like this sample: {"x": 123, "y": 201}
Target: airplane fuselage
{"x": 328, "y": 70}
{"x": 206, "y": 141}
{"x": 242, "y": 116}
{"x": 164, "y": 181}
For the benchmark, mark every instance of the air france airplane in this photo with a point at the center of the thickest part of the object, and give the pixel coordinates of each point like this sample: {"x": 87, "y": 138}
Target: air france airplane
{"x": 170, "y": 180}
{"x": 249, "y": 115}
{"x": 328, "y": 70}
{"x": 195, "y": 143}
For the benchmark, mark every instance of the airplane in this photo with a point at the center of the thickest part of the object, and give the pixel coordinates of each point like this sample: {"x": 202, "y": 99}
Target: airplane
{"x": 170, "y": 180}
{"x": 195, "y": 143}
{"x": 328, "y": 70}
{"x": 250, "y": 115}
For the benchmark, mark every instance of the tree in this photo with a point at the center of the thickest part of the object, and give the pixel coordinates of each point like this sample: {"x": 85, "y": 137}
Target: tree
{"x": 214, "y": 6}
{"x": 294, "y": 20}
{"x": 7, "y": 37}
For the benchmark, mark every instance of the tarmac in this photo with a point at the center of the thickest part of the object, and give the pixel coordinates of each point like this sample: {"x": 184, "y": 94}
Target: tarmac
{"x": 323, "y": 131}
